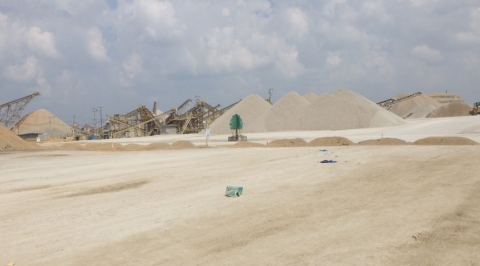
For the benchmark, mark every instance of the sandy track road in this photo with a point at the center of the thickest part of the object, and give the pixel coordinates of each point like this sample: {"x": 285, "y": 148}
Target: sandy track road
{"x": 377, "y": 206}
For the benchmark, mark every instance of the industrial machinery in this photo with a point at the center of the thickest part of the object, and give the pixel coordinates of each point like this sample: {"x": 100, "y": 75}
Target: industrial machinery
{"x": 137, "y": 123}
{"x": 387, "y": 104}
{"x": 475, "y": 110}
{"x": 192, "y": 120}
{"x": 10, "y": 112}
{"x": 236, "y": 124}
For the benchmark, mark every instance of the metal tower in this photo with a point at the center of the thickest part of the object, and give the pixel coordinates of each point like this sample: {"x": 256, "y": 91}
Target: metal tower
{"x": 10, "y": 112}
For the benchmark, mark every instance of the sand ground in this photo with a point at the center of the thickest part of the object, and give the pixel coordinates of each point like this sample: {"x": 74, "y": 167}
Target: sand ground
{"x": 402, "y": 205}
{"x": 393, "y": 205}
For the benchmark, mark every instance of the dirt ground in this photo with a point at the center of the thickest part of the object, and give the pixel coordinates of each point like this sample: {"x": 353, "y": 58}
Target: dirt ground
{"x": 395, "y": 205}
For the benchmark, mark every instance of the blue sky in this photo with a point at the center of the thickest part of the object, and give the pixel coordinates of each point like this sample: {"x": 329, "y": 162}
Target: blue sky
{"x": 119, "y": 54}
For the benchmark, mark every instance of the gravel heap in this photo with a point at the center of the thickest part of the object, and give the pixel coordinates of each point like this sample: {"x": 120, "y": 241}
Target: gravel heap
{"x": 249, "y": 109}
{"x": 450, "y": 109}
{"x": 284, "y": 115}
{"x": 182, "y": 144}
{"x": 42, "y": 121}
{"x": 384, "y": 141}
{"x": 287, "y": 143}
{"x": 311, "y": 97}
{"x": 445, "y": 141}
{"x": 431, "y": 105}
{"x": 10, "y": 141}
{"x": 330, "y": 141}
{"x": 343, "y": 109}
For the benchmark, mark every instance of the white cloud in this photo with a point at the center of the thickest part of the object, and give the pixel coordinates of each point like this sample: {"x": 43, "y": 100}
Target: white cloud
{"x": 43, "y": 43}
{"x": 156, "y": 18}
{"x": 23, "y": 73}
{"x": 333, "y": 60}
{"x": 298, "y": 21}
{"x": 288, "y": 65}
{"x": 226, "y": 12}
{"x": 133, "y": 65}
{"x": 425, "y": 52}
{"x": 3, "y": 31}
{"x": 418, "y": 3}
{"x": 95, "y": 46}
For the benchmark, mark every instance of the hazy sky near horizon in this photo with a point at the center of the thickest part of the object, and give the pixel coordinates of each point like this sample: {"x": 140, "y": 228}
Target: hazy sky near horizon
{"x": 119, "y": 54}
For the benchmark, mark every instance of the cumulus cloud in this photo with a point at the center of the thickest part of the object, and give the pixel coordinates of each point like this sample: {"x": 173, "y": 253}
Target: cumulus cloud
{"x": 131, "y": 67}
{"x": 298, "y": 21}
{"x": 3, "y": 31}
{"x": 376, "y": 47}
{"x": 157, "y": 19}
{"x": 425, "y": 52}
{"x": 95, "y": 46}
{"x": 333, "y": 60}
{"x": 287, "y": 64}
{"x": 24, "y": 72}
{"x": 226, "y": 12}
{"x": 42, "y": 42}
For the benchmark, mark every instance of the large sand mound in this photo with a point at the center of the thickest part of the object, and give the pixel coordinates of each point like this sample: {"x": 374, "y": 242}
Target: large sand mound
{"x": 343, "y": 109}
{"x": 445, "y": 141}
{"x": 435, "y": 104}
{"x": 134, "y": 147}
{"x": 384, "y": 141}
{"x": 182, "y": 144}
{"x": 249, "y": 109}
{"x": 330, "y": 141}
{"x": 287, "y": 143}
{"x": 311, "y": 97}
{"x": 450, "y": 109}
{"x": 10, "y": 141}
{"x": 346, "y": 110}
{"x": 284, "y": 115}
{"x": 42, "y": 121}
{"x": 246, "y": 144}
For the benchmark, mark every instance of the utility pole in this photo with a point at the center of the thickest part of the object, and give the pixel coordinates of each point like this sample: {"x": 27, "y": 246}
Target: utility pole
{"x": 50, "y": 124}
{"x": 94, "y": 110}
{"x": 101, "y": 120}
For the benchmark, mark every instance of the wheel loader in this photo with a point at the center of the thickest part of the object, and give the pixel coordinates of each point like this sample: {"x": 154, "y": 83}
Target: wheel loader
{"x": 475, "y": 110}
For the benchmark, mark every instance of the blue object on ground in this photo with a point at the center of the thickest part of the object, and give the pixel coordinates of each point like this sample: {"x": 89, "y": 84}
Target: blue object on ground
{"x": 233, "y": 191}
{"x": 324, "y": 150}
{"x": 327, "y": 161}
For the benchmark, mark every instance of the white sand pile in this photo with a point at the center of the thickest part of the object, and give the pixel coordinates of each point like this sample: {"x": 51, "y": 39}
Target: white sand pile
{"x": 426, "y": 105}
{"x": 345, "y": 109}
{"x": 445, "y": 98}
{"x": 42, "y": 121}
{"x": 249, "y": 109}
{"x": 450, "y": 109}
{"x": 284, "y": 115}
{"x": 311, "y": 97}
{"x": 416, "y": 107}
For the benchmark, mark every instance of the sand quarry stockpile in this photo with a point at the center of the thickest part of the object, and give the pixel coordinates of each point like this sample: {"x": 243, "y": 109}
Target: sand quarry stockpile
{"x": 42, "y": 121}
{"x": 431, "y": 105}
{"x": 10, "y": 141}
{"x": 450, "y": 109}
{"x": 384, "y": 141}
{"x": 249, "y": 109}
{"x": 343, "y": 109}
{"x": 330, "y": 141}
{"x": 246, "y": 144}
{"x": 287, "y": 143}
{"x": 311, "y": 97}
{"x": 445, "y": 141}
{"x": 182, "y": 144}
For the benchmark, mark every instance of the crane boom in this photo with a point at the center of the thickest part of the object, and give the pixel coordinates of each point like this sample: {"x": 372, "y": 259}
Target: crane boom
{"x": 10, "y": 112}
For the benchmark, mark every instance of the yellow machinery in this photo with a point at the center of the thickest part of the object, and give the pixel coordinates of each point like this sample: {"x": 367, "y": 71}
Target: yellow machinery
{"x": 475, "y": 109}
